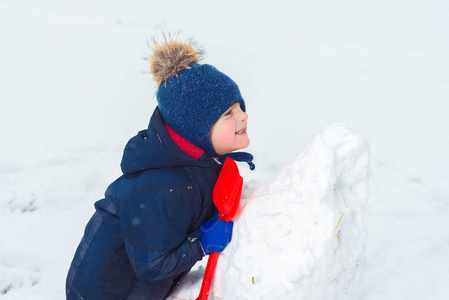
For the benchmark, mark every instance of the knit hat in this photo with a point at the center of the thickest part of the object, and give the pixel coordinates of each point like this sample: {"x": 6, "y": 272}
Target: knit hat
{"x": 191, "y": 96}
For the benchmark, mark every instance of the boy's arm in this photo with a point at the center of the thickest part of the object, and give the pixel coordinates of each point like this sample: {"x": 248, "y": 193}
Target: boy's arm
{"x": 156, "y": 266}
{"x": 155, "y": 222}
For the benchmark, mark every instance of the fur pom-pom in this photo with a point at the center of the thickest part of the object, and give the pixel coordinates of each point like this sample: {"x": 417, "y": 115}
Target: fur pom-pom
{"x": 171, "y": 56}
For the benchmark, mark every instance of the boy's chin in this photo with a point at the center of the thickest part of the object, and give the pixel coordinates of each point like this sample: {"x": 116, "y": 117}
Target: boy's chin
{"x": 238, "y": 147}
{"x": 243, "y": 146}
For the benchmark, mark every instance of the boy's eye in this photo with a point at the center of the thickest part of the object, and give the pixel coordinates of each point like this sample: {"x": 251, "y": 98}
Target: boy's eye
{"x": 228, "y": 113}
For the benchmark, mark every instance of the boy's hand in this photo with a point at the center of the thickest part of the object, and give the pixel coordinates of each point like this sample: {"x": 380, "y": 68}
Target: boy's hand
{"x": 215, "y": 235}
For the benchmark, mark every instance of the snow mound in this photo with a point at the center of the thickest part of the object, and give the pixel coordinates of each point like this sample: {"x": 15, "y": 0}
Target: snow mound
{"x": 301, "y": 235}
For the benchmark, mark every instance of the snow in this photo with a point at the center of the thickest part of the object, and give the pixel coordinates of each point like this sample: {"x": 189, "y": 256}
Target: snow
{"x": 288, "y": 240}
{"x": 73, "y": 90}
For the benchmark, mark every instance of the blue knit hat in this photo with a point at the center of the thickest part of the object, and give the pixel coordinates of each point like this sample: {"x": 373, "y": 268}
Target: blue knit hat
{"x": 191, "y": 97}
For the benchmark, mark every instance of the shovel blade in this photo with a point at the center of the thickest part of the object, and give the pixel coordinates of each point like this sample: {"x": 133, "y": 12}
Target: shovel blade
{"x": 227, "y": 190}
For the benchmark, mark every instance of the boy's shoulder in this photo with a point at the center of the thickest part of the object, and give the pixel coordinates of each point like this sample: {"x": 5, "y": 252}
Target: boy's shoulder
{"x": 181, "y": 179}
{"x": 169, "y": 177}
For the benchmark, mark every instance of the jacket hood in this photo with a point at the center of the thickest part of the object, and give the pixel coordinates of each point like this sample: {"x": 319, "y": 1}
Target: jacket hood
{"x": 153, "y": 148}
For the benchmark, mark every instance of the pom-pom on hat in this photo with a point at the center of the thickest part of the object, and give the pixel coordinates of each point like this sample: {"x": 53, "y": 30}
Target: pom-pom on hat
{"x": 191, "y": 96}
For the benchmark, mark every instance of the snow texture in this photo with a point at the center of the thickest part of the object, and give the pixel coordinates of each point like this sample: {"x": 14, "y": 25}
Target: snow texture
{"x": 286, "y": 243}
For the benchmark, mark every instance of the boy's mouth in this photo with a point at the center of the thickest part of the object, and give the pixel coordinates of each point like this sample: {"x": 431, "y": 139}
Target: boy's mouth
{"x": 241, "y": 131}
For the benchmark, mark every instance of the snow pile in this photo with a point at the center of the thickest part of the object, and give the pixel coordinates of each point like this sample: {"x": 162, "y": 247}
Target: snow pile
{"x": 301, "y": 235}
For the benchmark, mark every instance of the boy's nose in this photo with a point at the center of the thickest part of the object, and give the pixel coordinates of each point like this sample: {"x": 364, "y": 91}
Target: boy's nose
{"x": 243, "y": 116}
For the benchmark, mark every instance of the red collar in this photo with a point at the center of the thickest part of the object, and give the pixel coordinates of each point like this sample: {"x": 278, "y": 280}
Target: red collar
{"x": 186, "y": 146}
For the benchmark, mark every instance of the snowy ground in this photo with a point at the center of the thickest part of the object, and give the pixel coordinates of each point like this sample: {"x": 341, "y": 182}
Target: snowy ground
{"x": 73, "y": 91}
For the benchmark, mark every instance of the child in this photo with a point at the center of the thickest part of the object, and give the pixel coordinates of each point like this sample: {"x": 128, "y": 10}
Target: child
{"x": 157, "y": 220}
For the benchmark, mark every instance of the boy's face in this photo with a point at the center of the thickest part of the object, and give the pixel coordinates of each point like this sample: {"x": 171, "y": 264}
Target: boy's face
{"x": 229, "y": 132}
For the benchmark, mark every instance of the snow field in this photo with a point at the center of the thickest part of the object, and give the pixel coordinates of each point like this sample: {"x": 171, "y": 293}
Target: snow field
{"x": 41, "y": 214}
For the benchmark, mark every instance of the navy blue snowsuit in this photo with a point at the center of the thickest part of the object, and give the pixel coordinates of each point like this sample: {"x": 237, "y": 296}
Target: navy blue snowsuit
{"x": 142, "y": 239}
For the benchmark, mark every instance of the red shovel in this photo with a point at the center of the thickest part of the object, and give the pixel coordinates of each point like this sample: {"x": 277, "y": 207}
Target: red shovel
{"x": 226, "y": 195}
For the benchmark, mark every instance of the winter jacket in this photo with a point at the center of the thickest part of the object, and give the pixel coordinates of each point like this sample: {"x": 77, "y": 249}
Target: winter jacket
{"x": 142, "y": 239}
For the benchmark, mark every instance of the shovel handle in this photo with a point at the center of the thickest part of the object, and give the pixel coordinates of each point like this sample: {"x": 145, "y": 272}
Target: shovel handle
{"x": 208, "y": 276}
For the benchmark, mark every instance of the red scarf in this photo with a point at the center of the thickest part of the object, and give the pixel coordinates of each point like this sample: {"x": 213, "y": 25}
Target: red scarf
{"x": 186, "y": 146}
